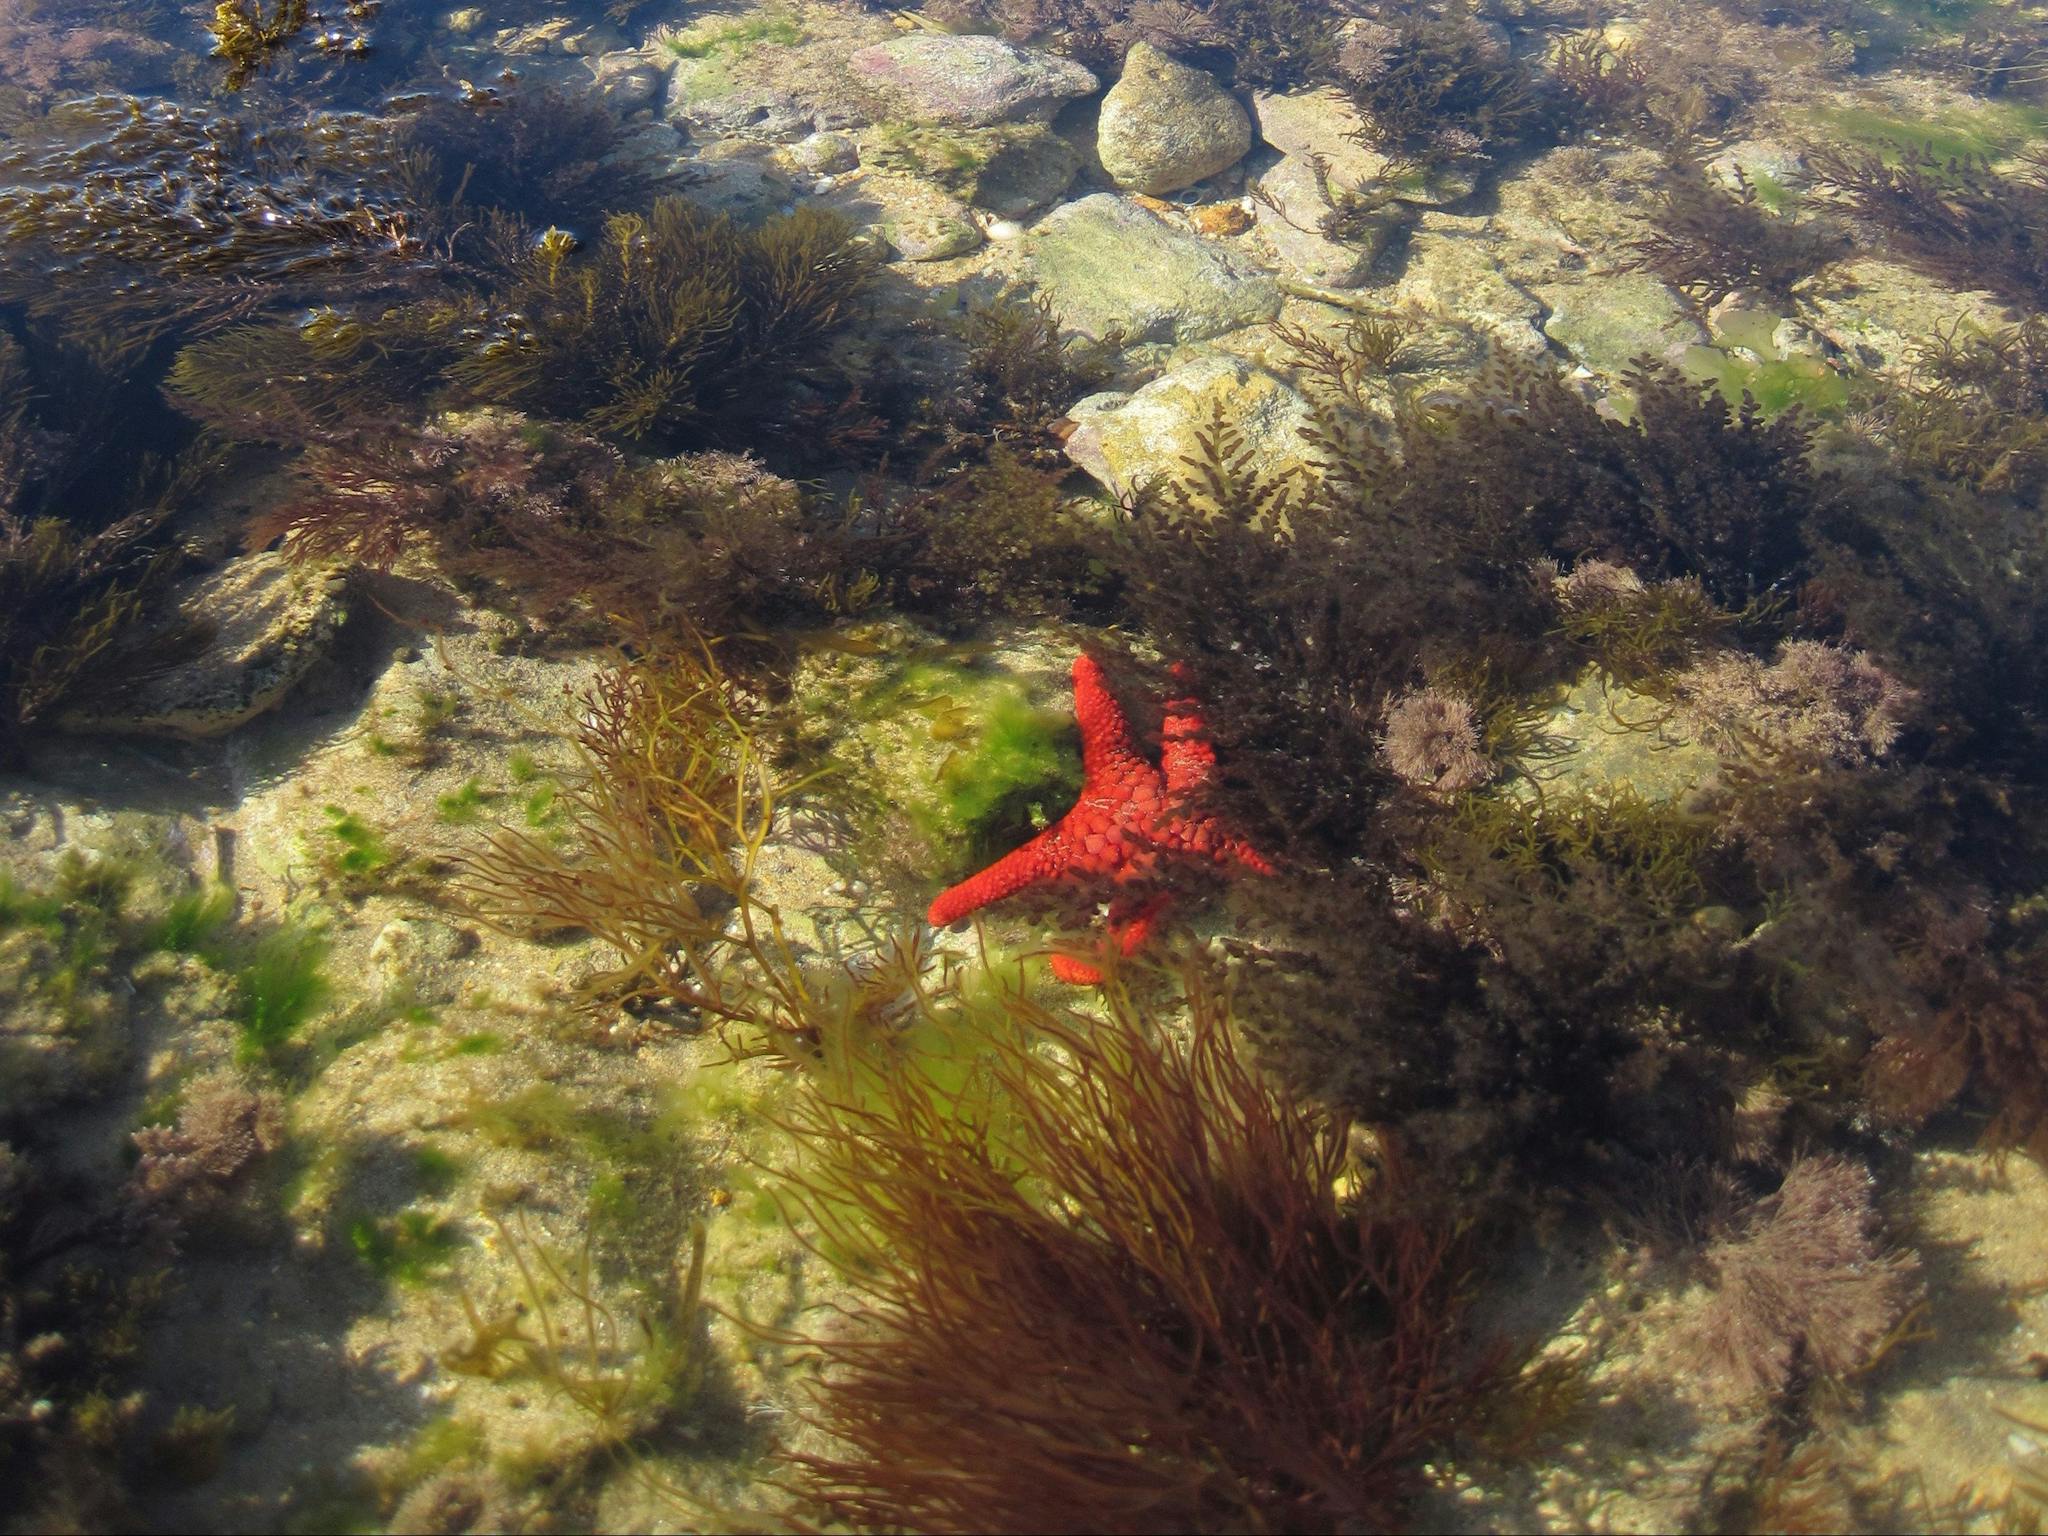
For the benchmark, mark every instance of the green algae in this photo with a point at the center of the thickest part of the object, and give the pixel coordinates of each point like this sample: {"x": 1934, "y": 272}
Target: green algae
{"x": 982, "y": 763}
{"x": 1988, "y": 132}
{"x": 195, "y": 916}
{"x": 733, "y": 38}
{"x": 460, "y": 807}
{"x": 412, "y": 1247}
{"x": 1776, "y": 384}
{"x": 279, "y": 986}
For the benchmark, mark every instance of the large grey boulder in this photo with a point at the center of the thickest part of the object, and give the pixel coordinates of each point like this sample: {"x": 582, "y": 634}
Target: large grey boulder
{"x": 629, "y": 79}
{"x": 971, "y": 81}
{"x": 1107, "y": 264}
{"x": 1167, "y": 125}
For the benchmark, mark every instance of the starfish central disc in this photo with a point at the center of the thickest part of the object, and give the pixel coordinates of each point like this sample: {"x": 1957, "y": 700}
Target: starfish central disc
{"x": 1130, "y": 820}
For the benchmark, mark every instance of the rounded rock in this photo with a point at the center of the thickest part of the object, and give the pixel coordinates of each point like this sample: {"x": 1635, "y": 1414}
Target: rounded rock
{"x": 1167, "y": 125}
{"x": 971, "y": 81}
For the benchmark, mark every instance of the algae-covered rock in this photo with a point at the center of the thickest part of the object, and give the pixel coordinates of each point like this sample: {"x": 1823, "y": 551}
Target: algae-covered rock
{"x": 1291, "y": 206}
{"x": 1608, "y": 322}
{"x": 1166, "y": 125}
{"x": 1318, "y": 123}
{"x": 1459, "y": 278}
{"x": 1606, "y": 738}
{"x": 770, "y": 75}
{"x": 1127, "y": 440}
{"x": 1108, "y": 264}
{"x": 266, "y": 623}
{"x": 1881, "y": 313}
{"x": 629, "y": 79}
{"x": 917, "y": 220}
{"x": 1008, "y": 168}
{"x": 970, "y": 80}
{"x": 740, "y": 179}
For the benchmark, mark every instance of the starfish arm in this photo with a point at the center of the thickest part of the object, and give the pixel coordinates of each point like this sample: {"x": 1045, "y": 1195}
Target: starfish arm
{"x": 1185, "y": 755}
{"x": 1107, "y": 756}
{"x": 1130, "y": 923}
{"x": 1075, "y": 973}
{"x": 1039, "y": 860}
{"x": 1244, "y": 853}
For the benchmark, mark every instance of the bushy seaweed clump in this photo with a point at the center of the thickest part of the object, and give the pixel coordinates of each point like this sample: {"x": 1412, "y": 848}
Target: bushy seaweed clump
{"x": 671, "y": 328}
{"x": 132, "y": 216}
{"x": 656, "y": 850}
{"x": 245, "y": 34}
{"x": 1440, "y": 89}
{"x": 679, "y": 329}
{"x": 1709, "y": 242}
{"x": 1113, "y": 1284}
{"x": 555, "y": 526}
{"x": 1384, "y": 565}
{"x": 1957, "y": 220}
{"x": 1976, "y": 409}
{"x": 1798, "y": 1289}
{"x": 1604, "y": 84}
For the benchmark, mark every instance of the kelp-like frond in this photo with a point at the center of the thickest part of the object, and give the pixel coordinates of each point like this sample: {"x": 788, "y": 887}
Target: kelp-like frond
{"x": 673, "y": 808}
{"x": 1113, "y": 1284}
{"x": 135, "y": 214}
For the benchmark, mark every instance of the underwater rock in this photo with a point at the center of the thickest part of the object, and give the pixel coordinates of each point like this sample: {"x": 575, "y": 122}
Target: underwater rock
{"x": 769, "y": 76}
{"x": 927, "y": 225}
{"x": 703, "y": 95}
{"x": 1606, "y": 323}
{"x": 1305, "y": 123}
{"x": 1126, "y": 440}
{"x": 1457, "y": 277}
{"x": 267, "y": 622}
{"x": 1009, "y": 169}
{"x": 823, "y": 154}
{"x": 740, "y": 179}
{"x": 1291, "y": 207}
{"x": 971, "y": 81}
{"x": 1023, "y": 167}
{"x": 1881, "y": 313}
{"x": 629, "y": 79}
{"x": 1106, "y": 264}
{"x": 1605, "y": 737}
{"x": 919, "y": 221}
{"x": 1166, "y": 125}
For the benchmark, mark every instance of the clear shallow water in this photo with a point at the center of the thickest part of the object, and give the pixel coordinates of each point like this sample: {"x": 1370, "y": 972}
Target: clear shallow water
{"x": 542, "y": 550}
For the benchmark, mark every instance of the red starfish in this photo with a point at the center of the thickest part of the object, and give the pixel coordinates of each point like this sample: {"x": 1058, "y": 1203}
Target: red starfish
{"x": 1130, "y": 818}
